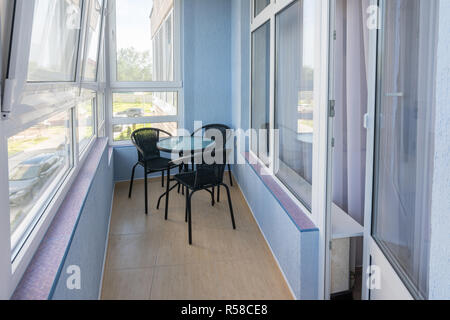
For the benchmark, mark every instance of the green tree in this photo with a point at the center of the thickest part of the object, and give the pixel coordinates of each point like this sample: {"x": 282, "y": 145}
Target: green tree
{"x": 133, "y": 65}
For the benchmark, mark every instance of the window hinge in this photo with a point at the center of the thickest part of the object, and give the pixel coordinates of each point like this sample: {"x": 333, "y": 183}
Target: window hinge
{"x": 331, "y": 245}
{"x": 331, "y": 108}
{"x": 6, "y": 103}
{"x": 334, "y": 35}
{"x": 332, "y": 142}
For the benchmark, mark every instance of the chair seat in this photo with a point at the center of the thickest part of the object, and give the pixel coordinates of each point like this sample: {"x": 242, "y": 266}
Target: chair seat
{"x": 157, "y": 164}
{"x": 188, "y": 179}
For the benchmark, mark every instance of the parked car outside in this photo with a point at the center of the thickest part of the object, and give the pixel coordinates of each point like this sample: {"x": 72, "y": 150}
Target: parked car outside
{"x": 132, "y": 113}
{"x": 29, "y": 176}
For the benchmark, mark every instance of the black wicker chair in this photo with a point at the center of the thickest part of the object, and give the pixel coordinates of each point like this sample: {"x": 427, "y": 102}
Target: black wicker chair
{"x": 205, "y": 177}
{"x": 149, "y": 157}
{"x": 225, "y": 131}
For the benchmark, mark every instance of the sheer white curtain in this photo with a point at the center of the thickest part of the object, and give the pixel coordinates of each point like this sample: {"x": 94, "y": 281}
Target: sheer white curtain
{"x": 54, "y": 40}
{"x": 351, "y": 104}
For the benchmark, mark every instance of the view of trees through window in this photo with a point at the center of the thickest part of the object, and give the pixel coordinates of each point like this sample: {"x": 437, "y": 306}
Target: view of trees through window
{"x": 144, "y": 43}
{"x": 133, "y": 65}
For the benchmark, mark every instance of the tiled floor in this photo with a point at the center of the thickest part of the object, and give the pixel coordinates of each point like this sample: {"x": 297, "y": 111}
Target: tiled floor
{"x": 149, "y": 258}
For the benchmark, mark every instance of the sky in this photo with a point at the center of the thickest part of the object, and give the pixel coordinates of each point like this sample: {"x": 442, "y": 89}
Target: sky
{"x": 133, "y": 24}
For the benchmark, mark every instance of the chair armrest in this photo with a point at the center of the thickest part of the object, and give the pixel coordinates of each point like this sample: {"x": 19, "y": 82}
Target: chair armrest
{"x": 138, "y": 148}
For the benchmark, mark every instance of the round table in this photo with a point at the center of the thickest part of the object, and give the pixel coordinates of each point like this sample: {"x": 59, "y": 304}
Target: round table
{"x": 183, "y": 145}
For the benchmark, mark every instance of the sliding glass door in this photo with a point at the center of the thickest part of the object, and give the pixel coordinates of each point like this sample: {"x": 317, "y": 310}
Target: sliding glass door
{"x": 403, "y": 158}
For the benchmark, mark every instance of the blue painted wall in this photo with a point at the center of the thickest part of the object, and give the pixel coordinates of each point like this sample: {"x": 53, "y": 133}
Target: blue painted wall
{"x": 88, "y": 246}
{"x": 296, "y": 252}
{"x": 207, "y": 61}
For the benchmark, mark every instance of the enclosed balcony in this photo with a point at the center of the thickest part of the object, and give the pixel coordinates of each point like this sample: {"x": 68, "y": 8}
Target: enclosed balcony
{"x": 224, "y": 149}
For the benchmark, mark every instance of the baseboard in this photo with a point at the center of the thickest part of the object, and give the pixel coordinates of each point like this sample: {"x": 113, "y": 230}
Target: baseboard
{"x": 106, "y": 243}
{"x": 262, "y": 232}
{"x": 154, "y": 177}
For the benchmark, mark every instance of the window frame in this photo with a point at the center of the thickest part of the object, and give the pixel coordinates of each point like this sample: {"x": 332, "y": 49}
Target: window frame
{"x": 144, "y": 86}
{"x": 176, "y": 83}
{"x": 17, "y": 117}
{"x": 87, "y": 18}
{"x": 270, "y": 13}
{"x": 92, "y": 96}
{"x": 45, "y": 202}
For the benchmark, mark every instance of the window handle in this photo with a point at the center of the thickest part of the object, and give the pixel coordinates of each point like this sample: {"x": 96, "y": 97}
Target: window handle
{"x": 366, "y": 121}
{"x": 394, "y": 94}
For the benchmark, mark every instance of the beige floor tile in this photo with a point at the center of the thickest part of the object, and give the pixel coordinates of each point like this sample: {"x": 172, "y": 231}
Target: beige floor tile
{"x": 229, "y": 280}
{"x": 127, "y": 284}
{"x": 133, "y": 251}
{"x": 222, "y": 263}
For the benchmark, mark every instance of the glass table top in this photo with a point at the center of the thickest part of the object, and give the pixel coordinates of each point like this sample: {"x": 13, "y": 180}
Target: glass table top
{"x": 186, "y": 144}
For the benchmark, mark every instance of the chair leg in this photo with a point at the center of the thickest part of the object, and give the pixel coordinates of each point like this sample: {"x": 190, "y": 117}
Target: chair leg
{"x": 190, "y": 217}
{"x": 132, "y": 179}
{"x": 146, "y": 189}
{"x": 187, "y": 206}
{"x": 218, "y": 193}
{"x": 229, "y": 173}
{"x": 180, "y": 169}
{"x": 162, "y": 179}
{"x": 230, "y": 205}
{"x": 213, "y": 196}
{"x": 167, "y": 194}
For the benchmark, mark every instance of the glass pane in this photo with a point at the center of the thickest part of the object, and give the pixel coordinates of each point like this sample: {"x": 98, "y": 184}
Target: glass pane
{"x": 54, "y": 40}
{"x": 294, "y": 105}
{"x": 144, "y": 43}
{"x": 85, "y": 123}
{"x": 38, "y": 160}
{"x": 123, "y": 132}
{"x": 261, "y": 91}
{"x": 260, "y": 5}
{"x": 145, "y": 104}
{"x": 93, "y": 39}
{"x": 404, "y": 139}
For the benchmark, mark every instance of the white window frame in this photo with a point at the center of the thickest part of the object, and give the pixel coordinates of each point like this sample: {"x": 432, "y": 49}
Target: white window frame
{"x": 144, "y": 86}
{"x": 86, "y": 45}
{"x": 321, "y": 100}
{"x": 19, "y": 118}
{"x": 269, "y": 14}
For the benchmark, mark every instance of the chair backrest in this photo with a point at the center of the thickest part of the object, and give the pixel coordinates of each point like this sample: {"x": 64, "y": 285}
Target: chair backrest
{"x": 223, "y": 129}
{"x": 210, "y": 174}
{"x": 145, "y": 141}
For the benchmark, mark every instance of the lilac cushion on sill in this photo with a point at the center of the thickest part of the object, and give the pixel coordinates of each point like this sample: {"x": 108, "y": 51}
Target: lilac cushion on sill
{"x": 297, "y": 215}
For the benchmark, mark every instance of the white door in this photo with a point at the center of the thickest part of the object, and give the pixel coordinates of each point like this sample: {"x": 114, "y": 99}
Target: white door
{"x": 399, "y": 151}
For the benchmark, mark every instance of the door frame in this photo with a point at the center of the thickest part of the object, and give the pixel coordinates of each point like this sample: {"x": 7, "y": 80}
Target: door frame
{"x": 329, "y": 154}
{"x": 388, "y": 277}
{"x": 370, "y": 247}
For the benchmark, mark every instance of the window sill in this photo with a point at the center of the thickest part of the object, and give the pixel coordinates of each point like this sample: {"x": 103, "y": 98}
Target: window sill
{"x": 293, "y": 210}
{"x": 39, "y": 278}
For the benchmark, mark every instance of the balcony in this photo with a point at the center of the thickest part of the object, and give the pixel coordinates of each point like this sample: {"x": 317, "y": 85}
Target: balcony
{"x": 337, "y": 145}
